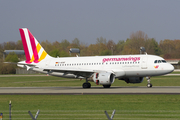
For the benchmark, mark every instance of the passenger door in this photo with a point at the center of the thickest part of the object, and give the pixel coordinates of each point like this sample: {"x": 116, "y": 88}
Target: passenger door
{"x": 144, "y": 62}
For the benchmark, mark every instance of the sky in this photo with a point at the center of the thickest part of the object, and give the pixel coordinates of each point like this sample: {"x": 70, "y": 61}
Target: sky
{"x": 87, "y": 20}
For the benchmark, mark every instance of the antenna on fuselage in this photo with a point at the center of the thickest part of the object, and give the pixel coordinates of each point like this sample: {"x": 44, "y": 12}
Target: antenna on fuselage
{"x": 143, "y": 50}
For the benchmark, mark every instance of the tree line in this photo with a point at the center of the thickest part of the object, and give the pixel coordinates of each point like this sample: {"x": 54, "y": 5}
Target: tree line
{"x": 167, "y": 49}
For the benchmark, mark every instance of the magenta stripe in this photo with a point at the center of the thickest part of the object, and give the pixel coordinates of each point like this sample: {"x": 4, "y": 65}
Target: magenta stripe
{"x": 25, "y": 46}
{"x": 33, "y": 44}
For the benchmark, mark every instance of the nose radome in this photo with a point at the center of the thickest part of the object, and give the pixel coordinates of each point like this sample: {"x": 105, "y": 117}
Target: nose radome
{"x": 171, "y": 68}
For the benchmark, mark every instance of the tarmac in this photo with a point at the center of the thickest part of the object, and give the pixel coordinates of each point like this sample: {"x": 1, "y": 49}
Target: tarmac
{"x": 92, "y": 90}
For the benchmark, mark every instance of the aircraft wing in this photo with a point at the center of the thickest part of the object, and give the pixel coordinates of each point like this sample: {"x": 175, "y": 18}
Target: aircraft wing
{"x": 67, "y": 70}
{"x": 75, "y": 71}
{"x": 83, "y": 72}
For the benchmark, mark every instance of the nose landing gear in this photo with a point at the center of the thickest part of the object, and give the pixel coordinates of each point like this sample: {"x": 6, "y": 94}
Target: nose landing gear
{"x": 149, "y": 85}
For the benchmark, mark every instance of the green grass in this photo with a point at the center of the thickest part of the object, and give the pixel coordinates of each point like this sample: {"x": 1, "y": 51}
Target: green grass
{"x": 152, "y": 107}
{"x": 45, "y": 81}
{"x": 136, "y": 107}
{"x": 175, "y": 72}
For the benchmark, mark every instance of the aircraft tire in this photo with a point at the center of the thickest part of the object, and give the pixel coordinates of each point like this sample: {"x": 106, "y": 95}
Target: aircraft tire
{"x": 86, "y": 85}
{"x": 149, "y": 85}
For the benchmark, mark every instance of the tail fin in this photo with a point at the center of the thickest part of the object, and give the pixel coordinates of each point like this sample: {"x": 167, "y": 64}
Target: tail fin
{"x": 33, "y": 50}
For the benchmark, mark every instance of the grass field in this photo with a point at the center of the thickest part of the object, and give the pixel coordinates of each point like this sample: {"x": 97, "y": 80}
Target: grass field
{"x": 83, "y": 107}
{"x": 152, "y": 107}
{"x": 45, "y": 81}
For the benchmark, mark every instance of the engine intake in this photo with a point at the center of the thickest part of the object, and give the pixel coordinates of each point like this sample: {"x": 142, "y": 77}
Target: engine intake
{"x": 103, "y": 78}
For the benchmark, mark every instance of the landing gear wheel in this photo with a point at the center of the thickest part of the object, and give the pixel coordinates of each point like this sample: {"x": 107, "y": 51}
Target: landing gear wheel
{"x": 106, "y": 86}
{"x": 86, "y": 85}
{"x": 149, "y": 85}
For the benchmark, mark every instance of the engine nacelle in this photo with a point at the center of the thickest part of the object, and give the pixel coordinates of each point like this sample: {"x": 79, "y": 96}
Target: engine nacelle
{"x": 103, "y": 78}
{"x": 133, "y": 79}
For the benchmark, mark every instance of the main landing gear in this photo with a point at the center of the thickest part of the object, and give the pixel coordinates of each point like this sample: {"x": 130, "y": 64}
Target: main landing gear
{"x": 86, "y": 84}
{"x": 149, "y": 85}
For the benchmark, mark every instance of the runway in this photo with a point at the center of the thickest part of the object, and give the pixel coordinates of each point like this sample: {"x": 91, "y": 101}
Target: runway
{"x": 93, "y": 90}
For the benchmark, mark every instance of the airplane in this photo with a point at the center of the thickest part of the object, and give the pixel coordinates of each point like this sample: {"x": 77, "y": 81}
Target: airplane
{"x": 102, "y": 70}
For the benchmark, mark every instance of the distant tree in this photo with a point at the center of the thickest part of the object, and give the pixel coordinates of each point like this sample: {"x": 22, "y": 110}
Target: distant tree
{"x": 12, "y": 57}
{"x": 56, "y": 45}
{"x": 57, "y": 53}
{"x": 119, "y": 47}
{"x": 168, "y": 48}
{"x": 65, "y": 44}
{"x": 133, "y": 44}
{"x": 111, "y": 45}
{"x": 47, "y": 46}
{"x": 9, "y": 46}
{"x": 152, "y": 47}
{"x": 101, "y": 40}
{"x": 19, "y": 45}
{"x": 92, "y": 50}
{"x": 76, "y": 43}
{"x": 106, "y": 52}
{"x": 64, "y": 54}
{"x": 7, "y": 68}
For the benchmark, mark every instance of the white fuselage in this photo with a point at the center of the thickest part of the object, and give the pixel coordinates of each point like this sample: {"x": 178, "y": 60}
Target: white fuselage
{"x": 120, "y": 65}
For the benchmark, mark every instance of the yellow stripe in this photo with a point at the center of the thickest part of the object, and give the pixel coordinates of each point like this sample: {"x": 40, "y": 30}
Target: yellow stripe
{"x": 38, "y": 47}
{"x": 32, "y": 59}
{"x": 43, "y": 55}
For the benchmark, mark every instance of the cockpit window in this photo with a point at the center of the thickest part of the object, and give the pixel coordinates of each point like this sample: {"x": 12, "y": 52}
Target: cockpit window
{"x": 159, "y": 61}
{"x": 155, "y": 61}
{"x": 163, "y": 61}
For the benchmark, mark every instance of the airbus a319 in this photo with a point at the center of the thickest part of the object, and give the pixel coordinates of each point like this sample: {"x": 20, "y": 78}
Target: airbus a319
{"x": 102, "y": 70}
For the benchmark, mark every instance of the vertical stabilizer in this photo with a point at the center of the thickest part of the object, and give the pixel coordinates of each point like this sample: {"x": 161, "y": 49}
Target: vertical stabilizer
{"x": 33, "y": 50}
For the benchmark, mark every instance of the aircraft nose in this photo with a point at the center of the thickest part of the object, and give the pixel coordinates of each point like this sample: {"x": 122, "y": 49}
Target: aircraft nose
{"x": 171, "y": 68}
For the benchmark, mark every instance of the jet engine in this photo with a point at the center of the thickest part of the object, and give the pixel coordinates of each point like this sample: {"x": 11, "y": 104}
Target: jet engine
{"x": 103, "y": 78}
{"x": 133, "y": 79}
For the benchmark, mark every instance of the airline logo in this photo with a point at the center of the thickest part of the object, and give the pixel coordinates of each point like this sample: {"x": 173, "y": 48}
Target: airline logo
{"x": 33, "y": 50}
{"x": 156, "y": 66}
{"x": 134, "y": 59}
